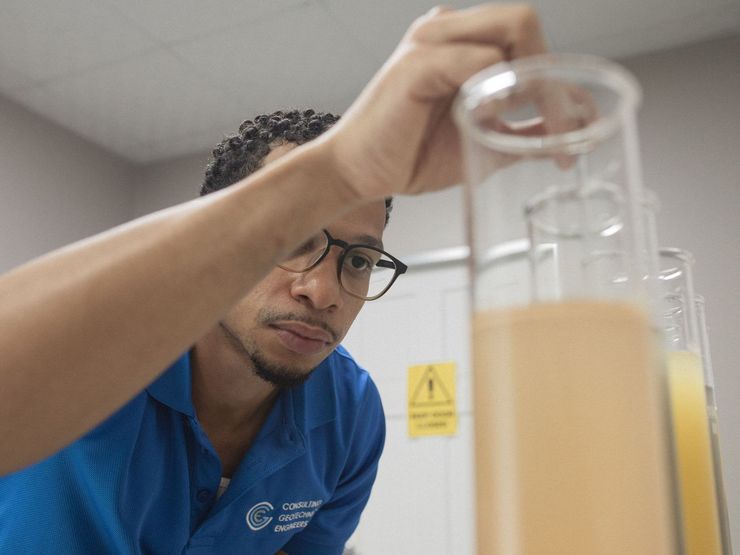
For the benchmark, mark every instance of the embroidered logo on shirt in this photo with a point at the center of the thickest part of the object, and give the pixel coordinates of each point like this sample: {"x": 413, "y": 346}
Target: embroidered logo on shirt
{"x": 294, "y": 515}
{"x": 259, "y": 516}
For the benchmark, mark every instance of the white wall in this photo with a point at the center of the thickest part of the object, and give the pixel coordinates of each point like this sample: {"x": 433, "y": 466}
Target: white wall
{"x": 166, "y": 183}
{"x": 55, "y": 187}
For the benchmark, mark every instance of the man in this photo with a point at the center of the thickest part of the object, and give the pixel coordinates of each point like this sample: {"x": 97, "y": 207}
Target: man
{"x": 259, "y": 283}
{"x": 312, "y": 448}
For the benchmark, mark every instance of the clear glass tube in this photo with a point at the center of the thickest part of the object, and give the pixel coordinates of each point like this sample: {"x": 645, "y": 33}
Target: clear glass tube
{"x": 695, "y": 463}
{"x": 572, "y": 450}
{"x": 713, "y": 415}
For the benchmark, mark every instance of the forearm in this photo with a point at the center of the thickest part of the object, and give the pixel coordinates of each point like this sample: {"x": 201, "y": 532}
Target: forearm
{"x": 89, "y": 326}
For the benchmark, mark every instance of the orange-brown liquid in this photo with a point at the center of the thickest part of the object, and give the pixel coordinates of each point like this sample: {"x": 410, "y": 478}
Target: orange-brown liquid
{"x": 572, "y": 453}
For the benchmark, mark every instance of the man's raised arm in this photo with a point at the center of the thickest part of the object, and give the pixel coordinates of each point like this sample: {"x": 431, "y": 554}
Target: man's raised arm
{"x": 87, "y": 327}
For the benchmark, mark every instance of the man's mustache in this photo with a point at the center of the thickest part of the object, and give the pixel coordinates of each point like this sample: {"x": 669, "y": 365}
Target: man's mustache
{"x": 270, "y": 317}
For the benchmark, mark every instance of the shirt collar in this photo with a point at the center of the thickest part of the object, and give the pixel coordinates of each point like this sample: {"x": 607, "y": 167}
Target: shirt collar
{"x": 314, "y": 402}
{"x": 173, "y": 387}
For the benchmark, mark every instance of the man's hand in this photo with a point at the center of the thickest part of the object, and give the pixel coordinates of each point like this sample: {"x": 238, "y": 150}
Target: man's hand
{"x": 399, "y": 136}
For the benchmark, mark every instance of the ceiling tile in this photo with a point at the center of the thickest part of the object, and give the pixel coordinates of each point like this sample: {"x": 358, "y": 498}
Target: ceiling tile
{"x": 380, "y": 25}
{"x": 216, "y": 117}
{"x": 598, "y": 20}
{"x": 299, "y": 59}
{"x": 53, "y": 14}
{"x": 47, "y": 44}
{"x": 658, "y": 33}
{"x": 145, "y": 99}
{"x": 177, "y": 20}
{"x": 221, "y": 120}
{"x": 12, "y": 80}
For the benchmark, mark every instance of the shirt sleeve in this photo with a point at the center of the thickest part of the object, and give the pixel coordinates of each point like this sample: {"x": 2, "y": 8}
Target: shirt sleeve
{"x": 334, "y": 523}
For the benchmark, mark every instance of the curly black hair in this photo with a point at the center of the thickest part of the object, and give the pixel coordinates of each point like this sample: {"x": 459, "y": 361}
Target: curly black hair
{"x": 240, "y": 155}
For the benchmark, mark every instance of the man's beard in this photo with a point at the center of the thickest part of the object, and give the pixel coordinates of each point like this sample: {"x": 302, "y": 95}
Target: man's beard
{"x": 278, "y": 375}
{"x": 281, "y": 376}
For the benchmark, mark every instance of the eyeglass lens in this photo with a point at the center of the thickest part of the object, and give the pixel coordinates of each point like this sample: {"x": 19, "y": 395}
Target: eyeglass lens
{"x": 365, "y": 271}
{"x": 307, "y": 254}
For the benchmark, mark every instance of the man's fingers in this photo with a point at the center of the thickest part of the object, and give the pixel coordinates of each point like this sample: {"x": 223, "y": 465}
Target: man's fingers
{"x": 587, "y": 109}
{"x": 562, "y": 107}
{"x": 438, "y": 71}
{"x": 515, "y": 28}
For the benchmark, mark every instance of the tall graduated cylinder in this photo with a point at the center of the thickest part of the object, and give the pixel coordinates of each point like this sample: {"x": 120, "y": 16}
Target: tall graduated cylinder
{"x": 572, "y": 435}
{"x": 693, "y": 410}
{"x": 712, "y": 413}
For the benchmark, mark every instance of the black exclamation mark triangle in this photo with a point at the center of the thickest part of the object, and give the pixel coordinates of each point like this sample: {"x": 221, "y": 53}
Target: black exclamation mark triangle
{"x": 437, "y": 393}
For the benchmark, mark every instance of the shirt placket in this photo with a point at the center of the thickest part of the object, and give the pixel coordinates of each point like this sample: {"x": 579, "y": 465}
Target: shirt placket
{"x": 205, "y": 476}
{"x": 280, "y": 443}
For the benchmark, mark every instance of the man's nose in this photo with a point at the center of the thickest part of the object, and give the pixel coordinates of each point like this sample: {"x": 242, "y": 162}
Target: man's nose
{"x": 320, "y": 285}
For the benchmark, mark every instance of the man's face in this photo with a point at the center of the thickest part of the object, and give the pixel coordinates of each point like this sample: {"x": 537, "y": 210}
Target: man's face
{"x": 290, "y": 321}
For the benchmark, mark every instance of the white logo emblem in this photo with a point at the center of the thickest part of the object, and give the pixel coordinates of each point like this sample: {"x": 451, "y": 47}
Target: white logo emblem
{"x": 259, "y": 516}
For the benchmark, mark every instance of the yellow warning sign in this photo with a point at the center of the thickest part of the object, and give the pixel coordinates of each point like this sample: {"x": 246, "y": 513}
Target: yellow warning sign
{"x": 432, "y": 400}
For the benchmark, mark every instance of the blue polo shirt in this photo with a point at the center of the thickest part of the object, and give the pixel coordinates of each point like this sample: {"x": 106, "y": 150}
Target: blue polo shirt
{"x": 145, "y": 480}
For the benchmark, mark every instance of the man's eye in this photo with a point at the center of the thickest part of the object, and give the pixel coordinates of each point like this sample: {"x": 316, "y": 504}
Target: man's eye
{"x": 360, "y": 263}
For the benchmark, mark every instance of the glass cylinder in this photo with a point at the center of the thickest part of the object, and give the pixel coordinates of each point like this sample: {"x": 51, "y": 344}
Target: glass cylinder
{"x": 694, "y": 464}
{"x": 571, "y": 442}
{"x": 713, "y": 414}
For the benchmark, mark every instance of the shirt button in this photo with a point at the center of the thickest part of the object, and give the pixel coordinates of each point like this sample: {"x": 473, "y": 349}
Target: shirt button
{"x": 203, "y": 495}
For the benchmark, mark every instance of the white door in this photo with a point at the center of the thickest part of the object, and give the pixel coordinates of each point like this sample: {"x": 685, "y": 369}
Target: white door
{"x": 422, "y": 503}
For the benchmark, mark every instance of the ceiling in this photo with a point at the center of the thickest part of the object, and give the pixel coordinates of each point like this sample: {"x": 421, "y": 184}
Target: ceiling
{"x": 155, "y": 79}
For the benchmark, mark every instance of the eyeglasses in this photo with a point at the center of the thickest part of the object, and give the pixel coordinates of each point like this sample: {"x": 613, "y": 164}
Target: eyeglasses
{"x": 363, "y": 271}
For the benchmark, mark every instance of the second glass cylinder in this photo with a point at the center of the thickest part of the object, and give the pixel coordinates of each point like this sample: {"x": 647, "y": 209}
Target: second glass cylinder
{"x": 571, "y": 438}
